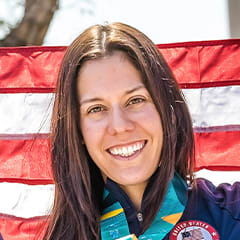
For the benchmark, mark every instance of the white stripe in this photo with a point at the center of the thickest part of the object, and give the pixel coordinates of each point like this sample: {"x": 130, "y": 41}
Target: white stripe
{"x": 22, "y": 200}
{"x": 25, "y": 113}
{"x": 26, "y": 201}
{"x": 218, "y": 177}
{"x": 217, "y": 106}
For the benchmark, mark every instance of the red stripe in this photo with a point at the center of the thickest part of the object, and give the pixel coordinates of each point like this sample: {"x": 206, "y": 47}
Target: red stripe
{"x": 27, "y": 181}
{"x": 218, "y": 150}
{"x": 198, "y": 64}
{"x": 29, "y": 68}
{"x": 27, "y": 90}
{"x": 28, "y": 161}
{"x": 22, "y": 229}
{"x": 219, "y": 168}
{"x": 209, "y": 84}
{"x": 211, "y": 65}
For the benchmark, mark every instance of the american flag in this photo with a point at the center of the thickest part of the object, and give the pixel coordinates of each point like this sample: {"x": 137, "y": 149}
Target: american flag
{"x": 194, "y": 234}
{"x": 208, "y": 73}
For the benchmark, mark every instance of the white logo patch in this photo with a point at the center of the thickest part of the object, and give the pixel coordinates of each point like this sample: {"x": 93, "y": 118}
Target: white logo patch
{"x": 193, "y": 230}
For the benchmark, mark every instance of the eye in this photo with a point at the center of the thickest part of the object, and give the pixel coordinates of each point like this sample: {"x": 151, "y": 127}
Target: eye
{"x": 136, "y": 100}
{"x": 96, "y": 109}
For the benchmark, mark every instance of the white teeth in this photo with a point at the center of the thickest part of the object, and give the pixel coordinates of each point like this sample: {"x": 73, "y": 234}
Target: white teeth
{"x": 130, "y": 149}
{"x": 126, "y": 151}
{"x": 115, "y": 151}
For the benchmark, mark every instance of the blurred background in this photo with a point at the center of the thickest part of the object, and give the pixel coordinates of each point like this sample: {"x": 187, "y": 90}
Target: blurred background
{"x": 58, "y": 22}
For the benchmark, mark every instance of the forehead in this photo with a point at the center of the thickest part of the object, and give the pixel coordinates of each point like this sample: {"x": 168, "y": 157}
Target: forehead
{"x": 108, "y": 75}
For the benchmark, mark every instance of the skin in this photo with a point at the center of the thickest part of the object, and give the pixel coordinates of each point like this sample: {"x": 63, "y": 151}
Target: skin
{"x": 117, "y": 111}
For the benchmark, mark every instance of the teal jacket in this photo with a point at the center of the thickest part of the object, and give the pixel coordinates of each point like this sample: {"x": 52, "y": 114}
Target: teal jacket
{"x": 120, "y": 218}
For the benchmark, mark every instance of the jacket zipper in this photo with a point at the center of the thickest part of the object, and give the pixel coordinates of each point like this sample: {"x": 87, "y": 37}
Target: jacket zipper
{"x": 140, "y": 217}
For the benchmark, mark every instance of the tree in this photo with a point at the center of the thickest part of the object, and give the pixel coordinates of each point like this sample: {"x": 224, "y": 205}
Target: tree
{"x": 34, "y": 25}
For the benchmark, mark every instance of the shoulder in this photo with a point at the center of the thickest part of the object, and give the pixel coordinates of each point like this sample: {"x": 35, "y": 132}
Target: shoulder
{"x": 225, "y": 196}
{"x": 220, "y": 191}
{"x": 212, "y": 211}
{"x": 223, "y": 187}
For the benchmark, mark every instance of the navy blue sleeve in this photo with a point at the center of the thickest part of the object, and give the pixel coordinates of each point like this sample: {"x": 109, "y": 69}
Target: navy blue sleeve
{"x": 225, "y": 196}
{"x": 211, "y": 213}
{"x": 219, "y": 207}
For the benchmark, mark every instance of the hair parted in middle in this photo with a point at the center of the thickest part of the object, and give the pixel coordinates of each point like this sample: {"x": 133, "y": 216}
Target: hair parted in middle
{"x": 76, "y": 212}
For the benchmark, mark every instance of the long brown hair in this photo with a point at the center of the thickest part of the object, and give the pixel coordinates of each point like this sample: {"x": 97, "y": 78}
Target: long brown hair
{"x": 79, "y": 185}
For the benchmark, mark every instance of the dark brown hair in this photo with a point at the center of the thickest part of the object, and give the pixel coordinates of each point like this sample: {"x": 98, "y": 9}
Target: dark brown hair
{"x": 79, "y": 185}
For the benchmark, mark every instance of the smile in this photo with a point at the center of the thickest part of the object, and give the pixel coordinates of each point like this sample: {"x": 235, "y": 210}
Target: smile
{"x": 127, "y": 150}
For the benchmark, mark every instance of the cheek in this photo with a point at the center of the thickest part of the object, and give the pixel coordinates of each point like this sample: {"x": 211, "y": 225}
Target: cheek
{"x": 150, "y": 119}
{"x": 93, "y": 133}
{"x": 90, "y": 127}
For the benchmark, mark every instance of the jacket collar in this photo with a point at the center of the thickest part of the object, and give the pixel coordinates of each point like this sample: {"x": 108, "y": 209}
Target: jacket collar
{"x": 120, "y": 218}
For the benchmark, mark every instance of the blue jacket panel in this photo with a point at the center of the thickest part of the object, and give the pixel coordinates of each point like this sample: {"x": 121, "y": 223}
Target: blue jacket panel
{"x": 219, "y": 207}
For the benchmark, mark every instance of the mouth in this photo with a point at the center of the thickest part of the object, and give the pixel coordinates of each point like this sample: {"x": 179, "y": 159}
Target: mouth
{"x": 128, "y": 151}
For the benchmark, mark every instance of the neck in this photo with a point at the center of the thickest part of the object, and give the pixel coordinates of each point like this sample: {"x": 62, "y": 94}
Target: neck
{"x": 135, "y": 193}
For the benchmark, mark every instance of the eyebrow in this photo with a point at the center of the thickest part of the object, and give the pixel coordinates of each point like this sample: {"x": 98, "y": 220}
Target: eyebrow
{"x": 100, "y": 99}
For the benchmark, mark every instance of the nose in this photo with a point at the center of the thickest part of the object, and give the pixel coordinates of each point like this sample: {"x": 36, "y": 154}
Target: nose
{"x": 119, "y": 122}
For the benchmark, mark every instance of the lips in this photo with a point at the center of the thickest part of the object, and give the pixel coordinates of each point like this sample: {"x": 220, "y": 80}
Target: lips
{"x": 127, "y": 150}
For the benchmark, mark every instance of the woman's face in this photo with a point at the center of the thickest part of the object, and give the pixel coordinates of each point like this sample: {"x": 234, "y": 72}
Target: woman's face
{"x": 120, "y": 125}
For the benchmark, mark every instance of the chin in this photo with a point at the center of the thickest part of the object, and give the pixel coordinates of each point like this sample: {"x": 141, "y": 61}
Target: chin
{"x": 129, "y": 181}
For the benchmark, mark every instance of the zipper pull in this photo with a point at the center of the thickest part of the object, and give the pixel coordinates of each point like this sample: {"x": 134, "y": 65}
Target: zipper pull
{"x": 140, "y": 217}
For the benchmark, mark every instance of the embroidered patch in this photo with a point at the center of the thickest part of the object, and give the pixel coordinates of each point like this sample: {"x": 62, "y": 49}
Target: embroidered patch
{"x": 193, "y": 230}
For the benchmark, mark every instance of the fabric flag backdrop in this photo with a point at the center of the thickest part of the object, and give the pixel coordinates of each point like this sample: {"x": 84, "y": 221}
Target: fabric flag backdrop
{"x": 209, "y": 75}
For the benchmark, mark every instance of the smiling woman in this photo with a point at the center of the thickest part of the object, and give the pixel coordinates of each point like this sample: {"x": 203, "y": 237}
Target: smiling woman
{"x": 123, "y": 146}
{"x": 120, "y": 124}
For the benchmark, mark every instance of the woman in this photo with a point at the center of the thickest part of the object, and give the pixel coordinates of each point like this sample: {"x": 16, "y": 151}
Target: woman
{"x": 123, "y": 148}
